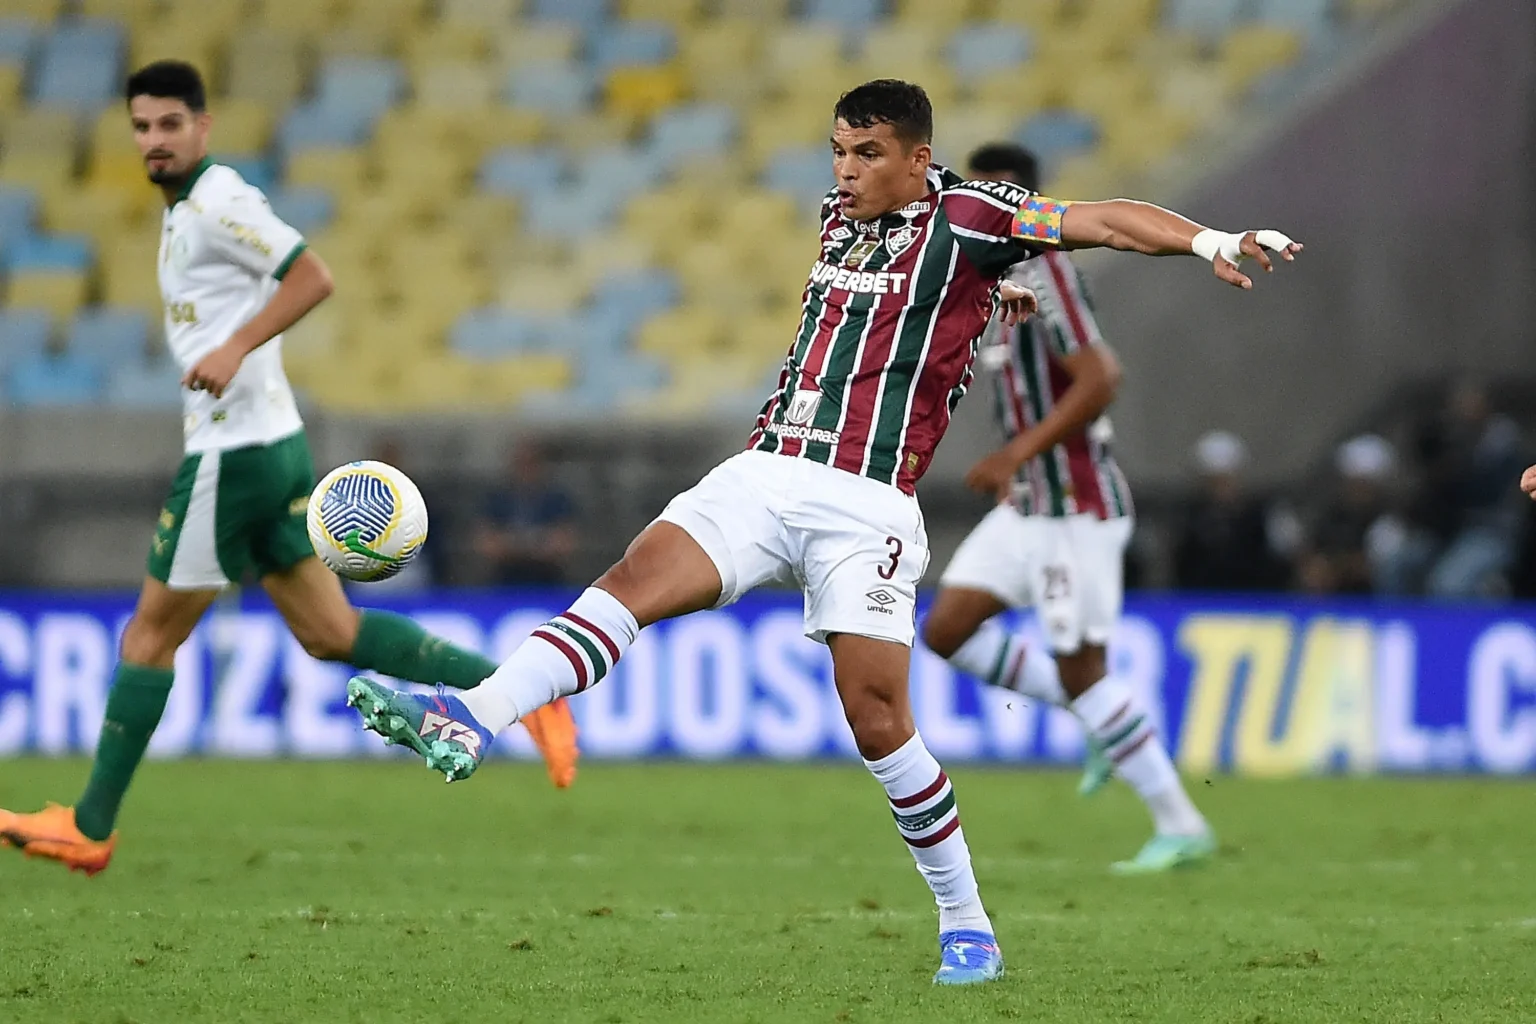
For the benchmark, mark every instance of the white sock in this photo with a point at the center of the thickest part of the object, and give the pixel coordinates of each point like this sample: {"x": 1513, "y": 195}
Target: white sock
{"x": 1112, "y": 712}
{"x": 1001, "y": 658}
{"x": 924, "y": 804}
{"x": 564, "y": 656}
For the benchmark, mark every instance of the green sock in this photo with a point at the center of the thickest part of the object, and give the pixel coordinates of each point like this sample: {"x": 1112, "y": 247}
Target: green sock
{"x": 134, "y": 706}
{"x": 396, "y": 646}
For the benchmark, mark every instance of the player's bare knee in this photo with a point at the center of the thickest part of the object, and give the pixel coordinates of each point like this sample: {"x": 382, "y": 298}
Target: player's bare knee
{"x": 880, "y": 724}
{"x": 149, "y": 643}
{"x": 333, "y": 642}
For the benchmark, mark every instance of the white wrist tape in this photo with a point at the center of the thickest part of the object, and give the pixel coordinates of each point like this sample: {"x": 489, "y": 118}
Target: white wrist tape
{"x": 1209, "y": 244}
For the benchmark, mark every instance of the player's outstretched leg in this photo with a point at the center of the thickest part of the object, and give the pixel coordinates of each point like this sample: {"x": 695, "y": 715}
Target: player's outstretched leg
{"x": 962, "y": 630}
{"x": 872, "y": 681}
{"x": 1115, "y": 715}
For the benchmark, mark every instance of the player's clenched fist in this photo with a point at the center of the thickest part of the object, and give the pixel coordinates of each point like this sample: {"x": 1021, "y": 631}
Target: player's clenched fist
{"x": 1016, "y": 303}
{"x": 1528, "y": 482}
{"x": 215, "y": 370}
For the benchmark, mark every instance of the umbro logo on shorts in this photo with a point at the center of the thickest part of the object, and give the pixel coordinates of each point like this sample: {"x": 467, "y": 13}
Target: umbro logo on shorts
{"x": 883, "y": 599}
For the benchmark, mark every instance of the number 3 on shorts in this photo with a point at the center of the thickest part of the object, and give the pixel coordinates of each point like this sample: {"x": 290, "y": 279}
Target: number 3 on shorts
{"x": 887, "y": 571}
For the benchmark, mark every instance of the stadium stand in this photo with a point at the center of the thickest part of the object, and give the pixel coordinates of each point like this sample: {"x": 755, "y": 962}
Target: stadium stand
{"x": 575, "y": 204}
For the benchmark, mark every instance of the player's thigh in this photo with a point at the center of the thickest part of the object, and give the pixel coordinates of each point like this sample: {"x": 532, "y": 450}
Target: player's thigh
{"x": 1099, "y": 546}
{"x": 729, "y": 518}
{"x": 161, "y": 622}
{"x": 279, "y": 537}
{"x": 312, "y": 602}
{"x": 871, "y": 678}
{"x": 862, "y": 548}
{"x": 1055, "y": 581}
{"x": 955, "y": 616}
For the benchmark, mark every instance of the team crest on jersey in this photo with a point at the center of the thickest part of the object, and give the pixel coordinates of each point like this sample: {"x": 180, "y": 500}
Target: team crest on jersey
{"x": 899, "y": 240}
{"x": 802, "y": 407}
{"x": 860, "y": 251}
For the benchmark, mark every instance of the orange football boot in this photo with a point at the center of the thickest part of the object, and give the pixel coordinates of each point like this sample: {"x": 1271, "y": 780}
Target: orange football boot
{"x": 52, "y": 833}
{"x": 554, "y": 733}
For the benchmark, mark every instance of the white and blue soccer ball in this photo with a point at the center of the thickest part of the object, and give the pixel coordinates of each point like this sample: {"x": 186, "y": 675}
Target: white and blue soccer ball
{"x": 366, "y": 521}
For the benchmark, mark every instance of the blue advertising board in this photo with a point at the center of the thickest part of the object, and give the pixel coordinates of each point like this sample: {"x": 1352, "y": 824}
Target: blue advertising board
{"x": 1261, "y": 687}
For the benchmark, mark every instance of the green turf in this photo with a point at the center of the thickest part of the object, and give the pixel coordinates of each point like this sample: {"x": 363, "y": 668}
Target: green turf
{"x": 372, "y": 892}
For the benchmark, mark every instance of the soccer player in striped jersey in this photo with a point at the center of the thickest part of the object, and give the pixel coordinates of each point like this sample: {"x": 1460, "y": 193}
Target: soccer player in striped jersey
{"x": 911, "y": 270}
{"x": 233, "y": 277}
{"x": 1056, "y": 539}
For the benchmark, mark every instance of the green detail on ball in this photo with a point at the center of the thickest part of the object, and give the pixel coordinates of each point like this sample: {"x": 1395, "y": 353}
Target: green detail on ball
{"x": 357, "y": 547}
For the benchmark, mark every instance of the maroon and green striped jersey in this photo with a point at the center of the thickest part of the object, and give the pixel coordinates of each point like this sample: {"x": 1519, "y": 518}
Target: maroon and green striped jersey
{"x": 1079, "y": 475}
{"x": 889, "y": 327}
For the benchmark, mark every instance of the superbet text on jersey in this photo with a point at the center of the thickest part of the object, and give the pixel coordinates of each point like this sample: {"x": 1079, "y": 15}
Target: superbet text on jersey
{"x": 889, "y": 325}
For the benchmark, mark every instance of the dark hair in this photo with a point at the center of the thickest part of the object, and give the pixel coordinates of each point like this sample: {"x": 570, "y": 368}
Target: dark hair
{"x": 901, "y": 105}
{"x": 1010, "y": 157}
{"x": 169, "y": 79}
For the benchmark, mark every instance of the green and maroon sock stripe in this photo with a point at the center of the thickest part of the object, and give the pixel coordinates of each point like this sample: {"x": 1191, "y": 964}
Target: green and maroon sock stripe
{"x": 935, "y": 838}
{"x": 1120, "y": 741}
{"x": 928, "y": 792}
{"x": 564, "y": 625}
{"x": 583, "y": 673}
{"x": 602, "y": 638}
{"x": 927, "y": 817}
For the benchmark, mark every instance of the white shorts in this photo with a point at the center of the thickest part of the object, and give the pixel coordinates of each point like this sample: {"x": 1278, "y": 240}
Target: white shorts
{"x": 1070, "y": 568}
{"x": 855, "y": 546}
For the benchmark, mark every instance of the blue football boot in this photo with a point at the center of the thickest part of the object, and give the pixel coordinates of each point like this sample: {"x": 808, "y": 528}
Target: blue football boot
{"x": 437, "y": 726}
{"x": 968, "y": 957}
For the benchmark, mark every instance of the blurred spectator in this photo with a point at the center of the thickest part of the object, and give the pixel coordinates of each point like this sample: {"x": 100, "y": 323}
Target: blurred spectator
{"x": 1229, "y": 540}
{"x": 527, "y": 529}
{"x": 421, "y": 573}
{"x": 1356, "y": 543}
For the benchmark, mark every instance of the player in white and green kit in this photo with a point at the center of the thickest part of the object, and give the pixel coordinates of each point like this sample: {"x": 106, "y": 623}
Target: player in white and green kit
{"x": 233, "y": 277}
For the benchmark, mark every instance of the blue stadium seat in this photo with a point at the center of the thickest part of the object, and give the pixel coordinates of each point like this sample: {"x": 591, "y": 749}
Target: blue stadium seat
{"x": 362, "y": 86}
{"x": 155, "y": 384}
{"x": 619, "y": 169}
{"x": 81, "y": 83}
{"x": 690, "y": 130}
{"x": 522, "y": 171}
{"x": 605, "y": 378}
{"x": 48, "y": 380}
{"x": 1206, "y": 17}
{"x": 625, "y": 43}
{"x": 305, "y": 209}
{"x": 1054, "y": 133}
{"x": 555, "y": 88}
{"x": 571, "y": 211}
{"x": 585, "y": 13}
{"x": 636, "y": 294}
{"x": 49, "y": 252}
{"x": 802, "y": 172}
{"x": 313, "y": 125}
{"x": 86, "y": 37}
{"x": 847, "y": 13}
{"x": 109, "y": 336}
{"x": 255, "y": 170}
{"x": 1309, "y": 17}
{"x": 18, "y": 39}
{"x": 981, "y": 49}
{"x": 24, "y": 334}
{"x": 18, "y": 213}
{"x": 494, "y": 333}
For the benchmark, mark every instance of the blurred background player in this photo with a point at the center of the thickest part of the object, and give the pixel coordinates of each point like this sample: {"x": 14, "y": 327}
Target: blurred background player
{"x": 233, "y": 277}
{"x": 1056, "y": 539}
{"x": 911, "y": 268}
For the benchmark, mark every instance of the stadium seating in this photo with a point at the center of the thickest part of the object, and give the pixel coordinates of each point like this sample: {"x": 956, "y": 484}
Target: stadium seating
{"x": 603, "y": 201}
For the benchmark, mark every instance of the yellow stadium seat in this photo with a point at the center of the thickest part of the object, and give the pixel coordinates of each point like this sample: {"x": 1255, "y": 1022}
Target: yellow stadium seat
{"x": 688, "y": 330}
{"x": 1035, "y": 86}
{"x": 364, "y": 35}
{"x": 670, "y": 215}
{"x": 902, "y": 43}
{"x": 723, "y": 43}
{"x": 755, "y": 213}
{"x": 61, "y": 293}
{"x": 821, "y": 84}
{"x": 957, "y": 133}
{"x": 1081, "y": 46}
{"x": 42, "y": 129}
{"x": 1034, "y": 13}
{"x": 1158, "y": 51}
{"x": 38, "y": 168}
{"x": 803, "y": 48}
{"x": 936, "y": 15}
{"x": 129, "y": 276}
{"x": 774, "y": 11}
{"x": 308, "y": 19}
{"x": 535, "y": 43}
{"x": 805, "y": 121}
{"x": 584, "y": 132}
{"x": 112, "y": 158}
{"x": 427, "y": 251}
{"x": 678, "y": 12}
{"x": 1084, "y": 177}
{"x": 220, "y": 18}
{"x": 10, "y": 92}
{"x": 483, "y": 13}
{"x": 1137, "y": 143}
{"x": 446, "y": 40}
{"x": 1109, "y": 90}
{"x": 936, "y": 77}
{"x": 379, "y": 212}
{"x": 196, "y": 45}
{"x": 99, "y": 213}
{"x": 38, "y": 10}
{"x": 455, "y": 83}
{"x": 337, "y": 169}
{"x": 767, "y": 335}
{"x": 241, "y": 127}
{"x": 595, "y": 258}
{"x": 718, "y": 274}
{"x": 129, "y": 11}
{"x": 266, "y": 66}
{"x": 1200, "y": 89}
{"x": 640, "y": 92}
{"x": 1250, "y": 52}
{"x": 541, "y": 290}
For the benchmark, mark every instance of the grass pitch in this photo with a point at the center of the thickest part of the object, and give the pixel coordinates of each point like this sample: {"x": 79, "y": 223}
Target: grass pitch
{"x": 371, "y": 892}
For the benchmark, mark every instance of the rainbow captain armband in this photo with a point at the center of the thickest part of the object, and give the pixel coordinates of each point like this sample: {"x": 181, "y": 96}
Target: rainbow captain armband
{"x": 1039, "y": 220}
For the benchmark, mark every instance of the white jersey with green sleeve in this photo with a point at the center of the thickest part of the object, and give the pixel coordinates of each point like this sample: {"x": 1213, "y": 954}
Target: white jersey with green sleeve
{"x": 222, "y": 254}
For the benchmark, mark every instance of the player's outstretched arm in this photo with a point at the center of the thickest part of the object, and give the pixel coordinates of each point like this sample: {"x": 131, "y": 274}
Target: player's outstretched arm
{"x": 1133, "y": 226}
{"x": 306, "y": 284}
{"x": 1528, "y": 482}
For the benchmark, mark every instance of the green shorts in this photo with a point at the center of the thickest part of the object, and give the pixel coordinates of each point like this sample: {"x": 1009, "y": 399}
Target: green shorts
{"x": 233, "y": 511}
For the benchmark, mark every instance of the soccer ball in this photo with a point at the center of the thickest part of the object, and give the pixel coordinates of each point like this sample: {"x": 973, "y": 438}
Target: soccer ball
{"x": 366, "y": 521}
